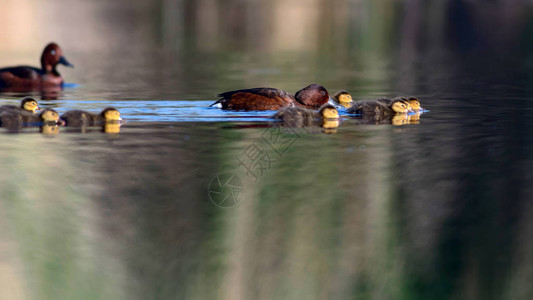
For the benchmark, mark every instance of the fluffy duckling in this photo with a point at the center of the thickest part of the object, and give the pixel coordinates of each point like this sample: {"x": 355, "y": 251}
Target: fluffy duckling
{"x": 343, "y": 98}
{"x": 27, "y": 104}
{"x": 81, "y": 118}
{"x": 415, "y": 104}
{"x": 17, "y": 119}
{"x": 301, "y": 117}
{"x": 379, "y": 108}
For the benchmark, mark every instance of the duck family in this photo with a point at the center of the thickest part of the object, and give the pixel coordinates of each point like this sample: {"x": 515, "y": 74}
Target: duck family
{"x": 309, "y": 106}
{"x": 15, "y": 117}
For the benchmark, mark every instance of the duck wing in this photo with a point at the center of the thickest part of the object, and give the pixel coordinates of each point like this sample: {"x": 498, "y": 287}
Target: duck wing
{"x": 255, "y": 99}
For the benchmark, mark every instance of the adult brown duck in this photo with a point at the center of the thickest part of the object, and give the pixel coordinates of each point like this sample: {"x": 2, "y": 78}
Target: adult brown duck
{"x": 312, "y": 97}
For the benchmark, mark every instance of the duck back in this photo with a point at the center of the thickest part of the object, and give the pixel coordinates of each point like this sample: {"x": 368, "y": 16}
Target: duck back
{"x": 78, "y": 118}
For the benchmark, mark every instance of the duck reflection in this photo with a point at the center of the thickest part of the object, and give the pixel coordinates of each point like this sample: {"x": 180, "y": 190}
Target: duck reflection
{"x": 49, "y": 129}
{"x": 112, "y": 127}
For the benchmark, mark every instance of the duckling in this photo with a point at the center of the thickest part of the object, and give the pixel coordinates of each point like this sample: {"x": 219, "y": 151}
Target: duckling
{"x": 81, "y": 118}
{"x": 415, "y": 104}
{"x": 27, "y": 104}
{"x": 301, "y": 117}
{"x": 388, "y": 101}
{"x": 379, "y": 108}
{"x": 343, "y": 98}
{"x": 17, "y": 119}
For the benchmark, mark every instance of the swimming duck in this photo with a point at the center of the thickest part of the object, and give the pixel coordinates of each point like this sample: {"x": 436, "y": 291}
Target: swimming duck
{"x": 379, "y": 108}
{"x": 81, "y": 118}
{"x": 311, "y": 96}
{"x": 19, "y": 118}
{"x": 415, "y": 104}
{"x": 301, "y": 117}
{"x": 27, "y": 104}
{"x": 31, "y": 77}
{"x": 343, "y": 98}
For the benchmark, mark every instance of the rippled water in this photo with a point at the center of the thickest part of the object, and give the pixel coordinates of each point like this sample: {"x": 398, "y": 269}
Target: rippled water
{"x": 189, "y": 201}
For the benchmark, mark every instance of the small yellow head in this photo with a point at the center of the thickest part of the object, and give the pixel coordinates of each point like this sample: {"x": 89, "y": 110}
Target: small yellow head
{"x": 111, "y": 115}
{"x": 400, "y": 107}
{"x": 29, "y": 104}
{"x": 50, "y": 116}
{"x": 415, "y": 104}
{"x": 328, "y": 111}
{"x": 344, "y": 98}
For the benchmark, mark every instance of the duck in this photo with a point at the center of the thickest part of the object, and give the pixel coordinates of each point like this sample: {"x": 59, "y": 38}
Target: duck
{"x": 381, "y": 108}
{"x": 415, "y": 104}
{"x": 26, "y": 104}
{"x": 312, "y": 97}
{"x": 32, "y": 77}
{"x": 301, "y": 117}
{"x": 343, "y": 98}
{"x": 81, "y": 118}
{"x": 18, "y": 119}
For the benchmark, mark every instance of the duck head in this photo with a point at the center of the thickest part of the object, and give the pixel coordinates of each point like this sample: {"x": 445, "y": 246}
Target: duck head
{"x": 313, "y": 95}
{"x": 330, "y": 116}
{"x": 399, "y": 106}
{"x": 51, "y": 57}
{"x": 29, "y": 104}
{"x": 50, "y": 116}
{"x": 344, "y": 98}
{"x": 415, "y": 104}
{"x": 328, "y": 111}
{"x": 111, "y": 115}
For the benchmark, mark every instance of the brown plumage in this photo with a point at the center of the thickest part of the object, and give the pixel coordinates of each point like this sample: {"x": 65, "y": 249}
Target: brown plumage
{"x": 312, "y": 96}
{"x": 24, "y": 77}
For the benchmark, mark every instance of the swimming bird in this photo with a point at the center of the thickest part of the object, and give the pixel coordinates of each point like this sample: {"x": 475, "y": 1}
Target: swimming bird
{"x": 301, "y": 117}
{"x": 415, "y": 104}
{"x": 311, "y": 96}
{"x": 26, "y": 104}
{"x": 343, "y": 98}
{"x": 81, "y": 118}
{"x": 379, "y": 108}
{"x": 31, "y": 77}
{"x": 18, "y": 119}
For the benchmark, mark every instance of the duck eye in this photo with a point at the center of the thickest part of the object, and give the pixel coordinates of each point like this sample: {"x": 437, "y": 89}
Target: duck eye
{"x": 323, "y": 93}
{"x": 53, "y": 52}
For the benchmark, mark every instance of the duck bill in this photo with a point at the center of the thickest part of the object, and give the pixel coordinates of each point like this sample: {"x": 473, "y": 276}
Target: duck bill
{"x": 38, "y": 108}
{"x": 64, "y": 61}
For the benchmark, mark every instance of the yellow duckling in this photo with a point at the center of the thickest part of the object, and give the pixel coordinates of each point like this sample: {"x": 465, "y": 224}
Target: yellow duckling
{"x": 27, "y": 104}
{"x": 344, "y": 98}
{"x": 17, "y": 119}
{"x": 81, "y": 118}
{"x": 379, "y": 108}
{"x": 301, "y": 117}
{"x": 415, "y": 104}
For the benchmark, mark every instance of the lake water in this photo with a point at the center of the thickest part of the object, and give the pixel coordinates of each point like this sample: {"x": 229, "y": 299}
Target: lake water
{"x": 172, "y": 207}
